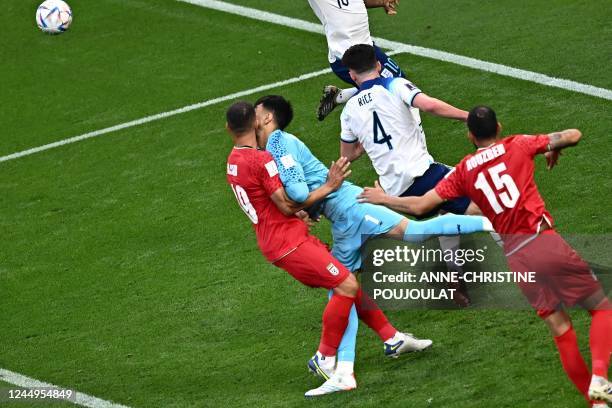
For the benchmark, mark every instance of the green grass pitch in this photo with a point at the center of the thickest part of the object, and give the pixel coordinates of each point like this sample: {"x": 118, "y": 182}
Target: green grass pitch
{"x": 128, "y": 272}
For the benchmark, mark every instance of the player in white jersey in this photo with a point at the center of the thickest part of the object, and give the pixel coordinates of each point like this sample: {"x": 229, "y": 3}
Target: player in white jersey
{"x": 378, "y": 121}
{"x": 382, "y": 120}
{"x": 346, "y": 24}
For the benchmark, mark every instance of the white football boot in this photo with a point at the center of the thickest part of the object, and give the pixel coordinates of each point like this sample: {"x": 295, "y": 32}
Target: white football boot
{"x": 337, "y": 382}
{"x": 322, "y": 366}
{"x": 600, "y": 389}
{"x": 405, "y": 343}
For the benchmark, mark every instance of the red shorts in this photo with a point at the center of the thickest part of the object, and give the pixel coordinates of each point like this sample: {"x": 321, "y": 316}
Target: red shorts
{"x": 562, "y": 277}
{"x": 312, "y": 264}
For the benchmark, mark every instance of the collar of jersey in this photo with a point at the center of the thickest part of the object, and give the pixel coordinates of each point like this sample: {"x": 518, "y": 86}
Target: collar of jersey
{"x": 276, "y": 134}
{"x": 486, "y": 147}
{"x": 369, "y": 84}
{"x": 280, "y": 132}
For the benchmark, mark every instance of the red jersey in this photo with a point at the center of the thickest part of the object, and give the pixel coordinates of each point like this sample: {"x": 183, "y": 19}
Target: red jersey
{"x": 253, "y": 176}
{"x": 499, "y": 179}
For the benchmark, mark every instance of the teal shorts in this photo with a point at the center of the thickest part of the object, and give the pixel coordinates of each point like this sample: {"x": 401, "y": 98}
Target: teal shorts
{"x": 360, "y": 222}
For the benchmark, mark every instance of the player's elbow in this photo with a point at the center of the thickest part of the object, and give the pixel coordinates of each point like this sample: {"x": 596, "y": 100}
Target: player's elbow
{"x": 287, "y": 209}
{"x": 419, "y": 209}
{"x": 426, "y": 103}
{"x": 298, "y": 192}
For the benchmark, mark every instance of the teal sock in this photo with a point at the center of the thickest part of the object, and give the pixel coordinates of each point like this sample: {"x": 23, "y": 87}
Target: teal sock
{"x": 449, "y": 224}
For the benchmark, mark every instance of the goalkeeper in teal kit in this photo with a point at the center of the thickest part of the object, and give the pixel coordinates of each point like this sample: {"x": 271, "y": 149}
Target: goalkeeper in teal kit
{"x": 352, "y": 223}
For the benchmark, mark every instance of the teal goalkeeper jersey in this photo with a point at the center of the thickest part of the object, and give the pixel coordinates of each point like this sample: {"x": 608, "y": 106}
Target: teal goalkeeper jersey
{"x": 301, "y": 172}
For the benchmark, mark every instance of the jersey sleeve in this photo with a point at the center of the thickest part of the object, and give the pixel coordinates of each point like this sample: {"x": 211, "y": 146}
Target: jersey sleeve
{"x": 533, "y": 145}
{"x": 346, "y": 133}
{"x": 269, "y": 174}
{"x": 404, "y": 89}
{"x": 289, "y": 168}
{"x": 452, "y": 185}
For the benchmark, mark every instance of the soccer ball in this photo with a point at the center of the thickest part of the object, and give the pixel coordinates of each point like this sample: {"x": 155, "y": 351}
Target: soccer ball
{"x": 53, "y": 16}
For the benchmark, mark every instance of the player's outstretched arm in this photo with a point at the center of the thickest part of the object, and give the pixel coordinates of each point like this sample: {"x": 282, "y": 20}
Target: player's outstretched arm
{"x": 389, "y": 5}
{"x": 563, "y": 139}
{"x": 559, "y": 141}
{"x": 410, "y": 205}
{"x": 438, "y": 108}
{"x": 338, "y": 172}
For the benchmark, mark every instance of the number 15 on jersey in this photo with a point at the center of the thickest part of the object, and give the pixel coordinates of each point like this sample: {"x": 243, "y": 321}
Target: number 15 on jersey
{"x": 505, "y": 188}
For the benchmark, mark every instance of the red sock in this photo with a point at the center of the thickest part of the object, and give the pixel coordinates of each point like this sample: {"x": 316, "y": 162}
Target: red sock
{"x": 601, "y": 339}
{"x": 370, "y": 314}
{"x": 572, "y": 361}
{"x": 335, "y": 320}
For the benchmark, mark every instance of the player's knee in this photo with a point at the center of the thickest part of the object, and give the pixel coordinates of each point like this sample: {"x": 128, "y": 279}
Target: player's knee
{"x": 604, "y": 306}
{"x": 399, "y": 230}
{"x": 597, "y": 301}
{"x": 349, "y": 287}
{"x": 558, "y": 323}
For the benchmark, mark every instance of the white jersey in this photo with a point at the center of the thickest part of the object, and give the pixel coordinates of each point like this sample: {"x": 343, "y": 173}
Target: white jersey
{"x": 345, "y": 23}
{"x": 382, "y": 119}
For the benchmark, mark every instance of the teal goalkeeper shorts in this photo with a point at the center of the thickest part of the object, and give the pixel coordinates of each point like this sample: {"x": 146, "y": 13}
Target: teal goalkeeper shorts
{"x": 359, "y": 222}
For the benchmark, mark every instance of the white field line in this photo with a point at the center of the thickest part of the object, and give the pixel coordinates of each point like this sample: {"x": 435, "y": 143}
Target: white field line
{"x": 174, "y": 112}
{"x": 164, "y": 115}
{"x": 80, "y": 398}
{"x": 398, "y": 47}
{"x": 412, "y": 49}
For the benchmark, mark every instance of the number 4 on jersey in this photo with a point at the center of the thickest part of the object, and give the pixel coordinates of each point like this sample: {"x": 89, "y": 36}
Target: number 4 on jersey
{"x": 379, "y": 130}
{"x": 508, "y": 198}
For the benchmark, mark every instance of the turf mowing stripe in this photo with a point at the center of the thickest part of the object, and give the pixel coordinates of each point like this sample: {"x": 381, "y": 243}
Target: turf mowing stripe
{"x": 163, "y": 115}
{"x": 412, "y": 49}
{"x": 79, "y": 398}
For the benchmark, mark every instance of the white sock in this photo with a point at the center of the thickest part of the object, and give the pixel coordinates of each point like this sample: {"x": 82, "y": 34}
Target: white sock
{"x": 345, "y": 94}
{"x": 327, "y": 362}
{"x": 396, "y": 337}
{"x": 345, "y": 367}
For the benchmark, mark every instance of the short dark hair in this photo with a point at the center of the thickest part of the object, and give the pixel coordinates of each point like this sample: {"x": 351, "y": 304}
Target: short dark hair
{"x": 360, "y": 58}
{"x": 482, "y": 122}
{"x": 280, "y": 107}
{"x": 240, "y": 117}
